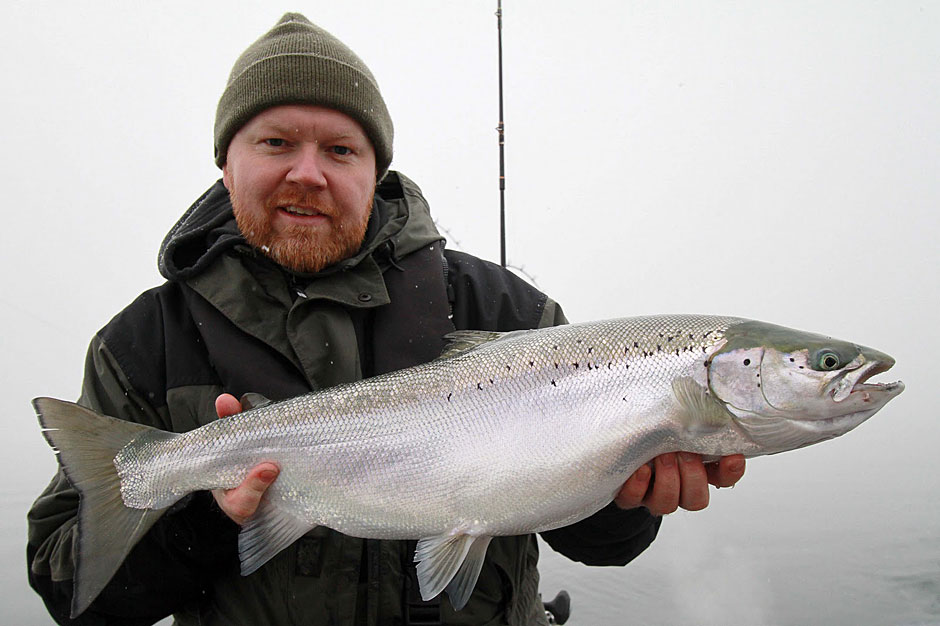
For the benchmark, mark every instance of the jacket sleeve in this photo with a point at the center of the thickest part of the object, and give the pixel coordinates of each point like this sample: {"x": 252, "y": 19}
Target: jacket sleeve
{"x": 166, "y": 569}
{"x": 612, "y": 536}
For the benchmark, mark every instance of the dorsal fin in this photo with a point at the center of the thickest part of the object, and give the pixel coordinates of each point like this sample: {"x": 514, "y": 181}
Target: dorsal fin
{"x": 252, "y": 400}
{"x": 462, "y": 341}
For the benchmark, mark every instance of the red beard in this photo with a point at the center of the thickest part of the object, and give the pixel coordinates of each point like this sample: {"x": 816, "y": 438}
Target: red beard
{"x": 297, "y": 247}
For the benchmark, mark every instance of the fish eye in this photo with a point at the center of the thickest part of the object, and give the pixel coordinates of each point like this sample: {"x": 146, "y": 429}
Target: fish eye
{"x": 828, "y": 361}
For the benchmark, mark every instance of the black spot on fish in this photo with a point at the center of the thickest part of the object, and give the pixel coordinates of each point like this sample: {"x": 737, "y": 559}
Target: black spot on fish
{"x": 575, "y": 365}
{"x": 636, "y": 344}
{"x": 747, "y": 361}
{"x": 677, "y": 351}
{"x": 531, "y": 363}
{"x": 508, "y": 368}
{"x": 669, "y": 339}
{"x": 659, "y": 348}
{"x": 449, "y": 395}
{"x": 590, "y": 350}
{"x": 480, "y": 386}
{"x": 553, "y": 383}
{"x": 491, "y": 381}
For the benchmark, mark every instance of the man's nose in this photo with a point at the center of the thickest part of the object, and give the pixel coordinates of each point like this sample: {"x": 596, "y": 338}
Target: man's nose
{"x": 306, "y": 168}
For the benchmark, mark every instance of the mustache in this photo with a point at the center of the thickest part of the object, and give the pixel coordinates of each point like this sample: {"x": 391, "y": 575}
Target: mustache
{"x": 302, "y": 199}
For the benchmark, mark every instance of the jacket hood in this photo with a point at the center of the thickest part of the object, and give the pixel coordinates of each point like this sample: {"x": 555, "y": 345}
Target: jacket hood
{"x": 401, "y": 223}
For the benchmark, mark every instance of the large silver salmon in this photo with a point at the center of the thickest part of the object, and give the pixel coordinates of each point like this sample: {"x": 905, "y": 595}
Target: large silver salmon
{"x": 506, "y": 433}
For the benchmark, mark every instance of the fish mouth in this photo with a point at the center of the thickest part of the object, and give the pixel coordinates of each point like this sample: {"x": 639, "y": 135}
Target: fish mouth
{"x": 855, "y": 383}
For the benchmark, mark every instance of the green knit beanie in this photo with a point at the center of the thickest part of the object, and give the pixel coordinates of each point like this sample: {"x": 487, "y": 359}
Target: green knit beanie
{"x": 297, "y": 62}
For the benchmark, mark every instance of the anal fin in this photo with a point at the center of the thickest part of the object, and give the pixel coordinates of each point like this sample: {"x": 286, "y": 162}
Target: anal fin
{"x": 267, "y": 532}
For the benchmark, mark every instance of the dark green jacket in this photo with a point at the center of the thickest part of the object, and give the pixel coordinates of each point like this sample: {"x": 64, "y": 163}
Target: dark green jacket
{"x": 230, "y": 320}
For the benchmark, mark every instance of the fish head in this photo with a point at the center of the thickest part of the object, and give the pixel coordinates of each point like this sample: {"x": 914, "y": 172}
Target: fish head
{"x": 788, "y": 388}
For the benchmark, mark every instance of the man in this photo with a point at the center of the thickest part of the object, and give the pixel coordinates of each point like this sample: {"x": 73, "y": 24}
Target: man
{"x": 309, "y": 264}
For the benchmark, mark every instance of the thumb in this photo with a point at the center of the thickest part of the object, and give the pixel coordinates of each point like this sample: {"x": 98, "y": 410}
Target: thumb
{"x": 260, "y": 478}
{"x": 242, "y": 502}
{"x": 227, "y": 404}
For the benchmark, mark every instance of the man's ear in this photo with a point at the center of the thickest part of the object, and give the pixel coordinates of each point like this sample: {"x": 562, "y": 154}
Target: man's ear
{"x": 226, "y": 177}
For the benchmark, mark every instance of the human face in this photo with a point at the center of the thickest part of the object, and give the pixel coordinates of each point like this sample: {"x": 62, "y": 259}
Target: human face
{"x": 301, "y": 179}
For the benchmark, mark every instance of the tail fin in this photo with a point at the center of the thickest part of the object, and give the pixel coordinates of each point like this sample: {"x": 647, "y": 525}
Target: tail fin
{"x": 86, "y": 443}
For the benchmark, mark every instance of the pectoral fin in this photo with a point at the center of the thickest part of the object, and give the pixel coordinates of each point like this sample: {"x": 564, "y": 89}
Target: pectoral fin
{"x": 702, "y": 413}
{"x": 451, "y": 562}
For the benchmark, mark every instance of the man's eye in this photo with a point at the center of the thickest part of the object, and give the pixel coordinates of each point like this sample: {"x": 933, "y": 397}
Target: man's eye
{"x": 274, "y": 142}
{"x": 341, "y": 150}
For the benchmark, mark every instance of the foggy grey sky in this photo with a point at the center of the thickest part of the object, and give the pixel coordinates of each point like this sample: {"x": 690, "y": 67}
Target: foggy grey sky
{"x": 773, "y": 160}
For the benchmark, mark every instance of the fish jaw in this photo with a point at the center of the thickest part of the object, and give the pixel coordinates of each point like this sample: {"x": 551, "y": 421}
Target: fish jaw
{"x": 851, "y": 394}
{"x": 852, "y": 381}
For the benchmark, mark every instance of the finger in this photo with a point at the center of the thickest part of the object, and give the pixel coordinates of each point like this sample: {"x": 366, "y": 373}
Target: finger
{"x": 241, "y": 502}
{"x": 664, "y": 496}
{"x": 634, "y": 490}
{"x": 693, "y": 482}
{"x": 727, "y": 471}
{"x": 227, "y": 404}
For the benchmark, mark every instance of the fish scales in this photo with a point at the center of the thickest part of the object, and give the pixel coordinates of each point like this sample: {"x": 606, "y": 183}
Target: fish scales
{"x": 397, "y": 444}
{"x": 507, "y": 433}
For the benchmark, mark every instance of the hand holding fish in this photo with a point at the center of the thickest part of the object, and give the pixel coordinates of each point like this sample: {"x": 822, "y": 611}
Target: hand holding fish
{"x": 681, "y": 481}
{"x": 241, "y": 502}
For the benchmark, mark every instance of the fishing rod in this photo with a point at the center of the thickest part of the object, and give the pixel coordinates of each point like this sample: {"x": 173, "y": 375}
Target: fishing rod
{"x": 502, "y": 140}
